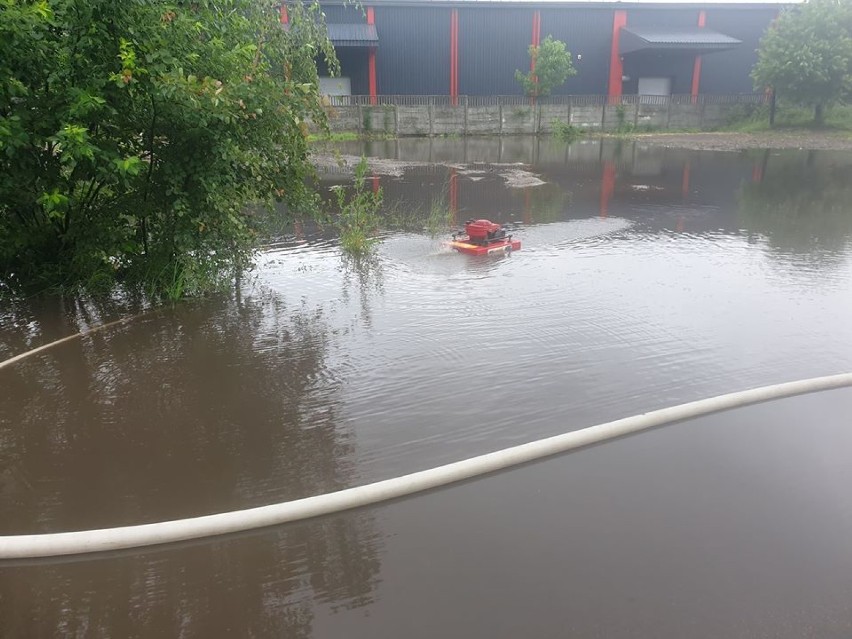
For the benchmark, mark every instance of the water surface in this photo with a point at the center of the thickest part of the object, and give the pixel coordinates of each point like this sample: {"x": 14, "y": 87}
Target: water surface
{"x": 647, "y": 277}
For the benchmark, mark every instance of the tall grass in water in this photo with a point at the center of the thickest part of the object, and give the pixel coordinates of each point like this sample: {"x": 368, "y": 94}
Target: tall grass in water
{"x": 435, "y": 220}
{"x": 565, "y": 132}
{"x": 440, "y": 218}
{"x": 359, "y": 213}
{"x": 173, "y": 279}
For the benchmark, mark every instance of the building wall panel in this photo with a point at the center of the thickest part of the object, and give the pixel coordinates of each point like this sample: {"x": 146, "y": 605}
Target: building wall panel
{"x": 353, "y": 64}
{"x": 343, "y": 14}
{"x": 728, "y": 71}
{"x": 653, "y": 17}
{"x": 414, "y": 50}
{"x": 413, "y": 56}
{"x": 586, "y": 32}
{"x": 493, "y": 43}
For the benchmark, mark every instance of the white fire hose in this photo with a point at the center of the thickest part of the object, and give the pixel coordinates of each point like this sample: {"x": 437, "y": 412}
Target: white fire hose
{"x": 92, "y": 541}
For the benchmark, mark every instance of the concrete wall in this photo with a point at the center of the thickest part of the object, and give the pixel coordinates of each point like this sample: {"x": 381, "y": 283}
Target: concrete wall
{"x": 523, "y": 119}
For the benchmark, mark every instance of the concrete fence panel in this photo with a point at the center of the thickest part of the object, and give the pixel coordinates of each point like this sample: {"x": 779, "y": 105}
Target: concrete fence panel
{"x": 515, "y": 115}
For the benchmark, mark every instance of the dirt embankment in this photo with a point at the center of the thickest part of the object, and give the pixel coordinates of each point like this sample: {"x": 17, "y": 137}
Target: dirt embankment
{"x": 780, "y": 139}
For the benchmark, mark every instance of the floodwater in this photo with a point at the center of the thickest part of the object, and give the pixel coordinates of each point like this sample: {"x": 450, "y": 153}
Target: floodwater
{"x": 647, "y": 277}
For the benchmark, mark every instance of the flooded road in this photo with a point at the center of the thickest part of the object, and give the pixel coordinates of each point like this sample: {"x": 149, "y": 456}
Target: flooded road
{"x": 647, "y": 277}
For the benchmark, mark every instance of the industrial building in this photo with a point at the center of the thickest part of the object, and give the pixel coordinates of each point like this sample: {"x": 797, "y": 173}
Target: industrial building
{"x": 473, "y": 47}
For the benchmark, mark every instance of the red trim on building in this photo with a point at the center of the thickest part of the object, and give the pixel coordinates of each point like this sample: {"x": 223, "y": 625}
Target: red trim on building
{"x": 616, "y": 68}
{"x": 535, "y": 41}
{"x": 371, "y": 61}
{"x": 696, "y": 67}
{"x": 696, "y": 78}
{"x": 285, "y": 18}
{"x": 454, "y": 56}
{"x": 371, "y": 72}
{"x": 536, "y": 35}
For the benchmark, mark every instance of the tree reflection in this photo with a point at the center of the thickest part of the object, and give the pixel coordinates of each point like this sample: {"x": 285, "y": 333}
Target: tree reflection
{"x": 544, "y": 203}
{"x": 801, "y": 204}
{"x": 215, "y": 405}
{"x": 364, "y": 273}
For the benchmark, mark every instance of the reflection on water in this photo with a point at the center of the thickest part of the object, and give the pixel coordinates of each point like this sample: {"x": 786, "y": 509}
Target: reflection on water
{"x": 210, "y": 406}
{"x": 232, "y": 401}
{"x": 801, "y": 203}
{"x": 647, "y": 277}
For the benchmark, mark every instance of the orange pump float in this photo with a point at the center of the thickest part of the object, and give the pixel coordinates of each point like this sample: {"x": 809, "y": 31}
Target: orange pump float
{"x": 484, "y": 237}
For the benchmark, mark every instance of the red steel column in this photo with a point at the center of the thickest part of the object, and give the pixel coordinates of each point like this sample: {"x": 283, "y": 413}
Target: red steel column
{"x": 616, "y": 69}
{"x": 696, "y": 68}
{"x": 536, "y": 36}
{"x": 454, "y": 56}
{"x": 535, "y": 41}
{"x": 371, "y": 68}
{"x": 283, "y": 14}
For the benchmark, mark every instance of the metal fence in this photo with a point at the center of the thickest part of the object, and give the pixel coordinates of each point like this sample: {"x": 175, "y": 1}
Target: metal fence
{"x": 520, "y": 100}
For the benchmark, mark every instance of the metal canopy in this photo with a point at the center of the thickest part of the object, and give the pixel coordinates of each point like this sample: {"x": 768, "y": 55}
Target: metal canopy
{"x": 635, "y": 39}
{"x": 353, "y": 35}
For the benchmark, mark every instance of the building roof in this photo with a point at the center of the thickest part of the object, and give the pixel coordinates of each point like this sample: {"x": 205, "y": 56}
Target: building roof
{"x": 690, "y": 39}
{"x": 353, "y": 35}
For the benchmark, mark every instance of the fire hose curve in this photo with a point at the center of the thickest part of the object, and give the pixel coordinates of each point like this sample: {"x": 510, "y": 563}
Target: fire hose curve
{"x": 81, "y": 334}
{"x": 127, "y": 537}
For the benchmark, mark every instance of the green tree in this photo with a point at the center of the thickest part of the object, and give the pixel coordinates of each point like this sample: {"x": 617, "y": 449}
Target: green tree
{"x": 806, "y": 55}
{"x": 552, "y": 65}
{"x": 133, "y": 134}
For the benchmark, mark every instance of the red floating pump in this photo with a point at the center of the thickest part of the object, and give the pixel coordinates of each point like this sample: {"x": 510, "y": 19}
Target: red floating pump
{"x": 484, "y": 237}
{"x": 482, "y": 229}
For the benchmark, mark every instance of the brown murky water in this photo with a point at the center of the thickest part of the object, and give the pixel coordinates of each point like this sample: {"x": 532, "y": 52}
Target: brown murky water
{"x": 647, "y": 277}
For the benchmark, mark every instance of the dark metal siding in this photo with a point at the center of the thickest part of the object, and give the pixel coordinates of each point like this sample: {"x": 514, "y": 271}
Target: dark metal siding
{"x": 493, "y": 43}
{"x": 341, "y": 14}
{"x": 676, "y": 65}
{"x": 354, "y": 65}
{"x": 585, "y": 32}
{"x": 728, "y": 71}
{"x": 414, "y": 50}
{"x": 662, "y": 18}
{"x": 414, "y": 47}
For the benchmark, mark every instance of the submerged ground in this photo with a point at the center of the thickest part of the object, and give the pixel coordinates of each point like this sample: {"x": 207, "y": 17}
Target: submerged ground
{"x": 802, "y": 139}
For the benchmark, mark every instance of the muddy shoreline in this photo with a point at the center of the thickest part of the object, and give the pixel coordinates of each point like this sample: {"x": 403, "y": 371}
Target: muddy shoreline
{"x": 514, "y": 174}
{"x": 829, "y": 140}
{"x": 523, "y": 175}
{"x": 723, "y": 141}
